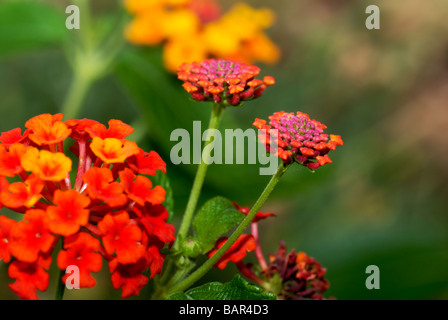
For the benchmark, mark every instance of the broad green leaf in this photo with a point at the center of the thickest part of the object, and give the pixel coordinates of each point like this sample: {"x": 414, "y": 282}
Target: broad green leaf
{"x": 26, "y": 25}
{"x": 237, "y": 289}
{"x": 216, "y": 217}
{"x": 161, "y": 179}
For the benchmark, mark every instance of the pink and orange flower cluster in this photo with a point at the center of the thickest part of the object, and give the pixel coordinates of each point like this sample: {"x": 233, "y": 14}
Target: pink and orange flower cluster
{"x": 106, "y": 208}
{"x": 299, "y": 138}
{"x": 223, "y": 81}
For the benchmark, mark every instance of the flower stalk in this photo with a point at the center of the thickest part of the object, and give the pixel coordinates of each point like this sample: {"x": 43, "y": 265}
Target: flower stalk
{"x": 201, "y": 271}
{"x": 215, "y": 119}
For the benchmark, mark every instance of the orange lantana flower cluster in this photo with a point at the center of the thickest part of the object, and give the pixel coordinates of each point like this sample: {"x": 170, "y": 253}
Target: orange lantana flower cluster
{"x": 194, "y": 30}
{"x": 105, "y": 208}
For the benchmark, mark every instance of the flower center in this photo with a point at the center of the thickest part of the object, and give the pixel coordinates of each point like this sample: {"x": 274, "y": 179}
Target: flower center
{"x": 220, "y": 68}
{"x": 298, "y": 128}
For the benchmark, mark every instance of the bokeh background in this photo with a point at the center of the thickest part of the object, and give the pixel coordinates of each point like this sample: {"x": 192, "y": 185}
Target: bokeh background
{"x": 382, "y": 202}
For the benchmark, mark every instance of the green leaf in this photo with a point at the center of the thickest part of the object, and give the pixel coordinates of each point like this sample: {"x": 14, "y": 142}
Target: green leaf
{"x": 237, "y": 289}
{"x": 216, "y": 217}
{"x": 26, "y": 25}
{"x": 161, "y": 179}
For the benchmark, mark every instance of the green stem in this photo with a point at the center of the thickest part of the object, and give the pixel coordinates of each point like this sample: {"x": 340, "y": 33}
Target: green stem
{"x": 201, "y": 271}
{"x": 200, "y": 175}
{"x": 60, "y": 289}
{"x": 75, "y": 98}
{"x": 86, "y": 24}
{"x": 90, "y": 58}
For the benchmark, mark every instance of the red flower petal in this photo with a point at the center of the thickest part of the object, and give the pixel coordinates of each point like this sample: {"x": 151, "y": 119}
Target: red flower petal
{"x": 69, "y": 212}
{"x": 80, "y": 250}
{"x": 153, "y": 218}
{"x": 259, "y": 216}
{"x": 121, "y": 237}
{"x": 10, "y": 163}
{"x": 129, "y": 277}
{"x": 140, "y": 190}
{"x": 6, "y": 226}
{"x": 101, "y": 185}
{"x": 22, "y": 194}
{"x": 236, "y": 252}
{"x": 117, "y": 129}
{"x": 79, "y": 128}
{"x": 147, "y": 163}
{"x": 31, "y": 236}
{"x": 12, "y": 136}
{"x": 30, "y": 277}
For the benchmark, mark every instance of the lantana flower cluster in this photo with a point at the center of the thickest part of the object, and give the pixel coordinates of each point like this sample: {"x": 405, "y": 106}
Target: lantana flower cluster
{"x": 223, "y": 81}
{"x": 194, "y": 30}
{"x": 299, "y": 138}
{"x": 105, "y": 208}
{"x": 290, "y": 276}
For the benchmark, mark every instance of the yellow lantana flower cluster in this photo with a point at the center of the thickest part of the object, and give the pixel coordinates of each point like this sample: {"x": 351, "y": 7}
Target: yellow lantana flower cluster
{"x": 194, "y": 30}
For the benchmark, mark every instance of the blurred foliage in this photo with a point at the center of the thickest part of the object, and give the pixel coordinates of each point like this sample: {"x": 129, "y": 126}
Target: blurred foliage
{"x": 382, "y": 201}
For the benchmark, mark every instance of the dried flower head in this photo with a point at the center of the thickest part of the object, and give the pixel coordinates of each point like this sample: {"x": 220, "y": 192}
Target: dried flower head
{"x": 302, "y": 277}
{"x": 223, "y": 81}
{"x": 299, "y": 138}
{"x": 103, "y": 208}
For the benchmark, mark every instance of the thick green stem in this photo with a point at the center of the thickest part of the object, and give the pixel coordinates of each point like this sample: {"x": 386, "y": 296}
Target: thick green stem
{"x": 201, "y": 271}
{"x": 90, "y": 58}
{"x": 200, "y": 175}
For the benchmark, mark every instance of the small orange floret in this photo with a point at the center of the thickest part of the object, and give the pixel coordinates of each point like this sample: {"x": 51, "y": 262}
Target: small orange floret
{"x": 147, "y": 163}
{"x": 269, "y": 80}
{"x": 259, "y": 123}
{"x": 22, "y": 194}
{"x": 112, "y": 150}
{"x": 46, "y": 165}
{"x": 10, "y": 164}
{"x": 101, "y": 185}
{"x": 323, "y": 159}
{"x": 138, "y": 188}
{"x": 79, "y": 128}
{"x": 189, "y": 87}
{"x": 31, "y": 236}
{"x": 308, "y": 152}
{"x": 215, "y": 89}
{"x": 81, "y": 250}
{"x": 336, "y": 139}
{"x": 30, "y": 277}
{"x": 117, "y": 129}
{"x": 121, "y": 237}
{"x": 69, "y": 212}
{"x": 47, "y": 129}
{"x": 12, "y": 136}
{"x": 6, "y": 226}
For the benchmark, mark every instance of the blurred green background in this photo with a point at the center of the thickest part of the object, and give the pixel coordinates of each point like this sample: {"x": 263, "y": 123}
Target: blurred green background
{"x": 382, "y": 202}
